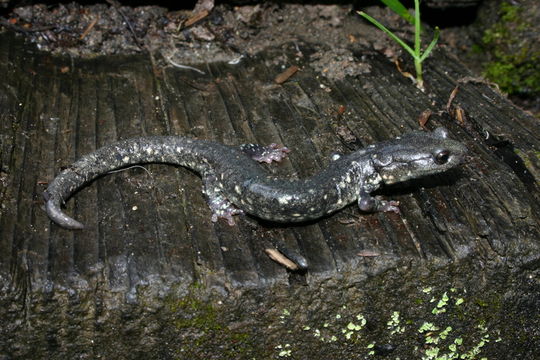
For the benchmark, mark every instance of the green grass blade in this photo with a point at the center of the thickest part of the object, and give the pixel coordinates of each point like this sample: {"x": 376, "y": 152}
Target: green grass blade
{"x": 431, "y": 45}
{"x": 417, "y": 30}
{"x": 388, "y": 32}
{"x": 399, "y": 9}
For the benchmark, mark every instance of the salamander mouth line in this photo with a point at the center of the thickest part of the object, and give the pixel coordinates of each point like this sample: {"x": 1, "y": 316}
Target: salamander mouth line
{"x": 405, "y": 163}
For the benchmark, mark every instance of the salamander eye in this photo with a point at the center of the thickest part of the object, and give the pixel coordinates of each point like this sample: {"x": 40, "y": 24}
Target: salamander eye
{"x": 442, "y": 157}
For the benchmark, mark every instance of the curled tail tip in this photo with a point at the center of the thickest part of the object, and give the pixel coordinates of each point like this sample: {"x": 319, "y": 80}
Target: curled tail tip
{"x": 55, "y": 214}
{"x": 74, "y": 225}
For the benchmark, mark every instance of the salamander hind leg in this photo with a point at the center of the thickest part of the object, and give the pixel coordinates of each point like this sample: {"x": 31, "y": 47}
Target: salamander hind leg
{"x": 267, "y": 154}
{"x": 221, "y": 207}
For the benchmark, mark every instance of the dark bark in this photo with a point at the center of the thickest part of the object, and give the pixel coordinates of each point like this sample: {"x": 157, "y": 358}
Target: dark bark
{"x": 151, "y": 274}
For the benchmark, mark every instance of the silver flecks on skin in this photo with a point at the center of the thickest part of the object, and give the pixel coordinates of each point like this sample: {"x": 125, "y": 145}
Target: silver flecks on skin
{"x": 235, "y": 183}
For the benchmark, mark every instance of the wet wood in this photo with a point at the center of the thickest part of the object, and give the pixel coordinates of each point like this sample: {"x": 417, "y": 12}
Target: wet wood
{"x": 149, "y": 230}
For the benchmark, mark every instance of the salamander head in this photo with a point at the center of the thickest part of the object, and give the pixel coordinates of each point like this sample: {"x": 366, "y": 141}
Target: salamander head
{"x": 417, "y": 154}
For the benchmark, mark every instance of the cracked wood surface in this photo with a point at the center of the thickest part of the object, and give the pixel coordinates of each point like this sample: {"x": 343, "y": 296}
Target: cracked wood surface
{"x": 154, "y": 223}
{"x": 149, "y": 228}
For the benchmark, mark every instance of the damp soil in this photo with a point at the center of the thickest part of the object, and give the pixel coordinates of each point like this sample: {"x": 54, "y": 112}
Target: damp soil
{"x": 208, "y": 33}
{"x": 224, "y": 33}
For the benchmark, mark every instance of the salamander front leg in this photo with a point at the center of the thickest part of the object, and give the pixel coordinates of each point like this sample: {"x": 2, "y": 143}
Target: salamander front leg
{"x": 267, "y": 154}
{"x": 368, "y": 203}
{"x": 221, "y": 207}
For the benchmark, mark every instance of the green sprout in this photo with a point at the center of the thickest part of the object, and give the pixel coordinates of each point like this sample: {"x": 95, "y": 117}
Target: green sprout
{"x": 416, "y": 53}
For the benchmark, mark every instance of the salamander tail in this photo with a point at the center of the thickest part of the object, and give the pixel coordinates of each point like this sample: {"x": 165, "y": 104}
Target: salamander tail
{"x": 55, "y": 214}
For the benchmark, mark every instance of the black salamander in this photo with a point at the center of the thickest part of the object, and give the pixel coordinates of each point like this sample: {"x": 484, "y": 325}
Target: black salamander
{"x": 234, "y": 183}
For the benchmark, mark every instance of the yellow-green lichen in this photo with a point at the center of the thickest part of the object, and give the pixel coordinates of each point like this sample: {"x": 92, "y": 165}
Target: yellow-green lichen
{"x": 200, "y": 323}
{"x": 439, "y": 324}
{"x": 195, "y": 313}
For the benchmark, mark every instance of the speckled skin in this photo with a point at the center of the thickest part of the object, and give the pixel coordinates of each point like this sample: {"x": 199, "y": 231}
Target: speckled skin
{"x": 234, "y": 183}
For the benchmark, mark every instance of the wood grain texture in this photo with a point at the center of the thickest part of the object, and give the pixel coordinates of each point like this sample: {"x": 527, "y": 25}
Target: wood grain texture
{"x": 148, "y": 231}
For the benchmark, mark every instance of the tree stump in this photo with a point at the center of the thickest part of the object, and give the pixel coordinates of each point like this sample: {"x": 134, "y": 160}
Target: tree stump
{"x": 151, "y": 276}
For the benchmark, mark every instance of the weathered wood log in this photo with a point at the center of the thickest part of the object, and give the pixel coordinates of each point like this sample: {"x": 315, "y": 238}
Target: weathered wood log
{"x": 152, "y": 276}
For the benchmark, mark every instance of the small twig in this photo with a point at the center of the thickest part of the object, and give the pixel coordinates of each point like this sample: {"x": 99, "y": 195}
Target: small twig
{"x": 116, "y": 5}
{"x": 451, "y": 98}
{"x": 89, "y": 28}
{"x": 196, "y": 18}
{"x": 403, "y": 72}
{"x": 424, "y": 118}
{"x": 368, "y": 253}
{"x": 24, "y": 30}
{"x": 460, "y": 115}
{"x": 180, "y": 66}
{"x": 280, "y": 259}
{"x": 284, "y": 76}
